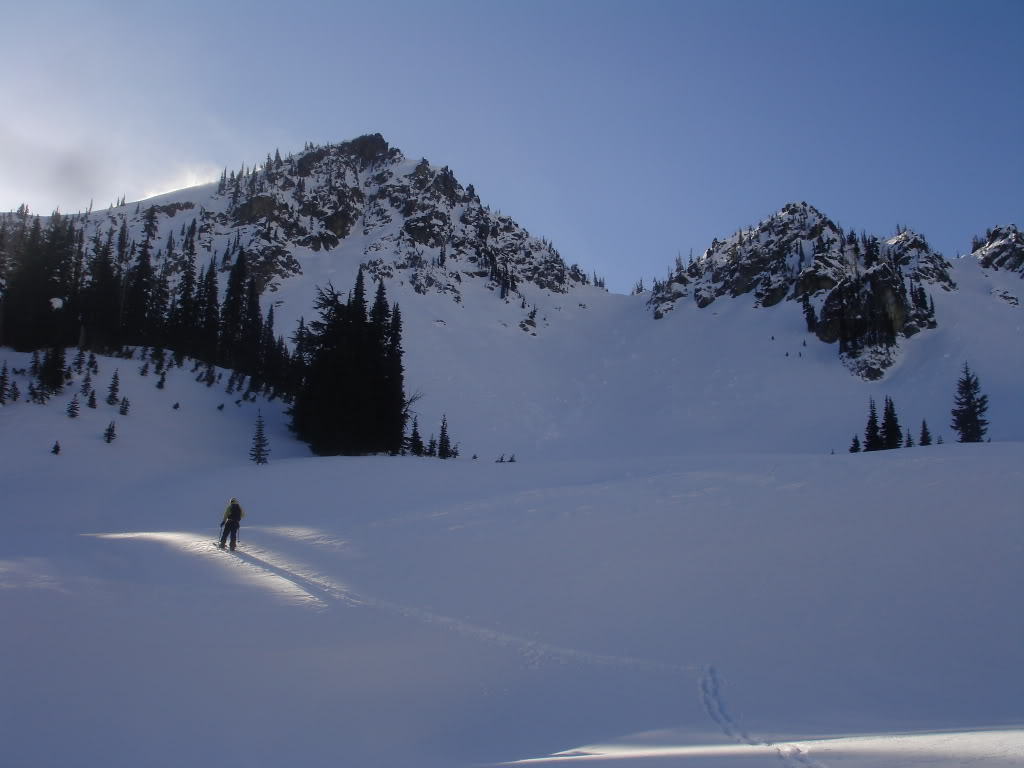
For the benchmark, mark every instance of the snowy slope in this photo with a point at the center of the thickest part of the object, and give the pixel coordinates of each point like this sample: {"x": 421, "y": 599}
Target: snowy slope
{"x": 707, "y": 610}
{"x": 675, "y": 571}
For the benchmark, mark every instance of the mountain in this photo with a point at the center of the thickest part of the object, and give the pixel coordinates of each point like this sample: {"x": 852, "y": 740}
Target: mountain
{"x": 526, "y": 354}
{"x": 676, "y": 566}
{"x": 862, "y": 292}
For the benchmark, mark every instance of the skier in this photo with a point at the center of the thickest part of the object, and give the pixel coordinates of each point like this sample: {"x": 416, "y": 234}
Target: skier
{"x": 233, "y": 515}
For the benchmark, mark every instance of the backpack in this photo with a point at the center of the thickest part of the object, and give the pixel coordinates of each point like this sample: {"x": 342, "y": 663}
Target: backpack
{"x": 234, "y": 513}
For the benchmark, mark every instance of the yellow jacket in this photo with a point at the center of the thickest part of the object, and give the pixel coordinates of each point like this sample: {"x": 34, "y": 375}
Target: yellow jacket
{"x": 227, "y": 511}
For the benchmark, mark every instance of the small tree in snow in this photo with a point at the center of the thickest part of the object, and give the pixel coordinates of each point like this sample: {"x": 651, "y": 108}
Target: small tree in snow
{"x": 73, "y": 407}
{"x": 114, "y": 389}
{"x": 260, "y": 450}
{"x": 109, "y": 433}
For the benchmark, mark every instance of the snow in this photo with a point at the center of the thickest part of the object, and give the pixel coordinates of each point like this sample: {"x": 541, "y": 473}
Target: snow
{"x": 699, "y": 608}
{"x": 677, "y": 569}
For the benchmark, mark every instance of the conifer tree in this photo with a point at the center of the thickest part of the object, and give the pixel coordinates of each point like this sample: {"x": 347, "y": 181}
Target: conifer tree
{"x": 855, "y": 445}
{"x": 4, "y": 379}
{"x": 908, "y": 441}
{"x": 114, "y": 389}
{"x": 891, "y": 432}
{"x": 86, "y": 383}
{"x": 73, "y": 407}
{"x": 431, "y": 447}
{"x": 124, "y": 406}
{"x": 415, "y": 440}
{"x": 56, "y": 449}
{"x": 926, "y": 436}
{"x": 444, "y": 445}
{"x": 872, "y": 437}
{"x": 110, "y": 433}
{"x": 969, "y": 409}
{"x": 260, "y": 450}
{"x": 13, "y": 394}
{"x": 91, "y": 402}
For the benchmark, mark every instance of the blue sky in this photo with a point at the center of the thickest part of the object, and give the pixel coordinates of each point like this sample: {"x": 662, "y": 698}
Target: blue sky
{"x": 624, "y": 132}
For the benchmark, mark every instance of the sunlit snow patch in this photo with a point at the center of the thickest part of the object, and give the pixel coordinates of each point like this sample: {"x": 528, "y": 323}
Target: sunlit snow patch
{"x": 245, "y": 568}
{"x": 994, "y": 748}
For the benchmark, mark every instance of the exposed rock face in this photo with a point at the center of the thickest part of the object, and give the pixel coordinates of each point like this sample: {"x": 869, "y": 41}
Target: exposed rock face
{"x": 413, "y": 217}
{"x": 859, "y": 292}
{"x": 1003, "y": 248}
{"x": 405, "y": 217}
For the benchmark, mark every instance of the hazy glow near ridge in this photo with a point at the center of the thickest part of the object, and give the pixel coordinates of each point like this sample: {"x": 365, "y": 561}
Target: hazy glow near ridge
{"x": 184, "y": 177}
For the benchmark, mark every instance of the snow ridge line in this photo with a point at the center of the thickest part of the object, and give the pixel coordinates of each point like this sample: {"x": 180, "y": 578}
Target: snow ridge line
{"x": 711, "y": 696}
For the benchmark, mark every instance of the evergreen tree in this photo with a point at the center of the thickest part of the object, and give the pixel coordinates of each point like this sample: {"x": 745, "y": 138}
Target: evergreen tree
{"x": 444, "y": 445}
{"x": 908, "y": 441}
{"x": 51, "y": 371}
{"x": 891, "y": 432}
{"x": 125, "y": 405}
{"x": 233, "y": 311}
{"x": 109, "y": 433}
{"x": 926, "y": 436}
{"x": 415, "y": 440}
{"x": 91, "y": 402}
{"x": 260, "y": 450}
{"x": 855, "y": 445}
{"x": 969, "y": 409}
{"x": 349, "y": 399}
{"x": 4, "y": 384}
{"x": 56, "y": 449}
{"x": 114, "y": 389}
{"x": 73, "y": 407}
{"x": 872, "y": 436}
{"x": 431, "y": 447}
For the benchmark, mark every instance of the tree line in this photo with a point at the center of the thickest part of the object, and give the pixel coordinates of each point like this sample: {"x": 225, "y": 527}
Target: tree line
{"x": 343, "y": 377}
{"x": 967, "y": 420}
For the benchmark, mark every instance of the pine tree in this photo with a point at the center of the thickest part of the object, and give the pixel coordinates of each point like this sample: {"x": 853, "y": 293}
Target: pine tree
{"x": 444, "y": 445}
{"x": 4, "y": 379}
{"x": 73, "y": 407}
{"x": 855, "y": 445}
{"x": 124, "y": 406}
{"x": 260, "y": 450}
{"x": 91, "y": 402}
{"x": 115, "y": 386}
{"x": 109, "y": 433}
{"x": 872, "y": 437}
{"x": 969, "y": 409}
{"x": 891, "y": 432}
{"x": 926, "y": 436}
{"x": 86, "y": 383}
{"x": 431, "y": 447}
{"x": 908, "y": 441}
{"x": 415, "y": 440}
{"x": 56, "y": 449}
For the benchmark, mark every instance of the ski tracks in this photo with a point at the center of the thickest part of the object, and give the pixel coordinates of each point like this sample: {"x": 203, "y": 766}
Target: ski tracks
{"x": 710, "y": 687}
{"x": 305, "y": 586}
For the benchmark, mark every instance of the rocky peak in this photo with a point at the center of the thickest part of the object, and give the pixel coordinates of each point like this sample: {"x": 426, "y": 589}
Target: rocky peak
{"x": 853, "y": 289}
{"x": 406, "y": 216}
{"x": 1002, "y": 248}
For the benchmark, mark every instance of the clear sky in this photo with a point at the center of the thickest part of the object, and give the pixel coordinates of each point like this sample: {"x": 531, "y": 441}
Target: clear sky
{"x": 626, "y": 132}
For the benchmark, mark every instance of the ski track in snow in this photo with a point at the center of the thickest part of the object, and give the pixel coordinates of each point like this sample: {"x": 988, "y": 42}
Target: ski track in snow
{"x": 711, "y": 696}
{"x": 304, "y": 586}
